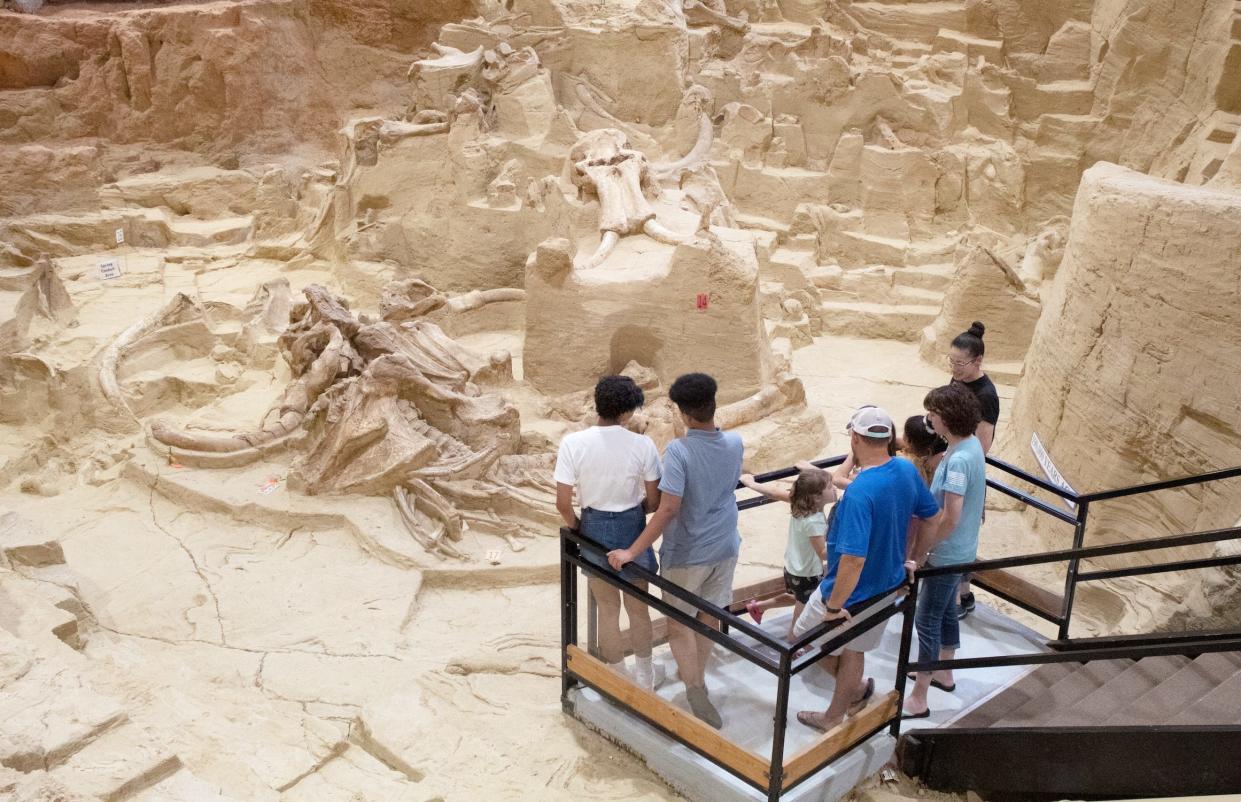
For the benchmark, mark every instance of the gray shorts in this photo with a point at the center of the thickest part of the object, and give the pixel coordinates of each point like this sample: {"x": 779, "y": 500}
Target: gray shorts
{"x": 812, "y": 616}
{"x": 713, "y": 582}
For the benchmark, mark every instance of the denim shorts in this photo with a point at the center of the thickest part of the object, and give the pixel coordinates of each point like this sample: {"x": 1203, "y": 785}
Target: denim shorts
{"x": 617, "y": 530}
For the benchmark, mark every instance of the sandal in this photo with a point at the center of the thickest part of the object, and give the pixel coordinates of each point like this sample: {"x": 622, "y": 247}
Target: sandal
{"x": 857, "y": 706}
{"x": 924, "y": 714}
{"x": 811, "y": 719}
{"x": 935, "y": 683}
{"x": 752, "y": 608}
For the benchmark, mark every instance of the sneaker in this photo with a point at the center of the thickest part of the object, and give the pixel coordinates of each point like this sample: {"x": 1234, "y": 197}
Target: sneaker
{"x": 700, "y": 703}
{"x": 966, "y": 606}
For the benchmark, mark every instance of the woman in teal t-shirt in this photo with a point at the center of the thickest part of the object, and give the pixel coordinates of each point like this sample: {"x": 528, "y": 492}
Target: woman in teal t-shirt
{"x": 958, "y": 486}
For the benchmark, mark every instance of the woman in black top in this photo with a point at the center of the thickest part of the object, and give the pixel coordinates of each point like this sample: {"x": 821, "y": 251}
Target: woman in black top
{"x": 965, "y": 360}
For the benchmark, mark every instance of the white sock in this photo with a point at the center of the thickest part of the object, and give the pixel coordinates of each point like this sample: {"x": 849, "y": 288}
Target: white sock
{"x": 648, "y": 675}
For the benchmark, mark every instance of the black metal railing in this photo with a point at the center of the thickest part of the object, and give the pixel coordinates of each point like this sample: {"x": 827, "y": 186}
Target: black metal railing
{"x": 1066, "y": 649}
{"x": 776, "y": 775}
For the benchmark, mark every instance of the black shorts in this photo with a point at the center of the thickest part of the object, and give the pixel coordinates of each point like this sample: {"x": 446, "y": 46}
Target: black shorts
{"x": 801, "y": 586}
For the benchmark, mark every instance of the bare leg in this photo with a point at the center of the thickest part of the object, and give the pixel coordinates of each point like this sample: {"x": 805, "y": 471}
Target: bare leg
{"x": 639, "y": 623}
{"x": 946, "y": 677}
{"x": 783, "y": 600}
{"x": 608, "y": 600}
{"x": 849, "y": 690}
{"x": 797, "y": 608}
{"x": 703, "y": 647}
{"x": 916, "y": 702}
{"x": 685, "y": 651}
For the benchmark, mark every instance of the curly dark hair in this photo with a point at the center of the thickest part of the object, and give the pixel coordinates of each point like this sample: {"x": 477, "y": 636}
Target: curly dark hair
{"x": 958, "y": 407}
{"x": 616, "y": 395}
{"x": 694, "y": 395}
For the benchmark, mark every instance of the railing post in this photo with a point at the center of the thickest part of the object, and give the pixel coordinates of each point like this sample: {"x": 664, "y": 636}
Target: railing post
{"x": 775, "y": 777}
{"x": 902, "y": 659}
{"x": 592, "y": 625}
{"x": 568, "y": 613}
{"x": 1070, "y": 579}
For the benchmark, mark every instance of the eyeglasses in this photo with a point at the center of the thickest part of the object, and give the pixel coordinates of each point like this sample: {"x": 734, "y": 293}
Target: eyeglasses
{"x": 959, "y": 363}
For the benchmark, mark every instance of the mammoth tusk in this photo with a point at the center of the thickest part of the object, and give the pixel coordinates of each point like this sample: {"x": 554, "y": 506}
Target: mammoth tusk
{"x": 661, "y": 233}
{"x": 110, "y": 361}
{"x": 702, "y": 147}
{"x": 606, "y": 246}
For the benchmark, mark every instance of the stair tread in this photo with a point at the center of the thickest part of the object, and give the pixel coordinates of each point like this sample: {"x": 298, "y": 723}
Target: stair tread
{"x": 1222, "y": 705}
{"x": 1163, "y": 702}
{"x": 881, "y": 308}
{"x": 1032, "y": 685}
{"x": 1098, "y": 706}
{"x": 1075, "y": 685}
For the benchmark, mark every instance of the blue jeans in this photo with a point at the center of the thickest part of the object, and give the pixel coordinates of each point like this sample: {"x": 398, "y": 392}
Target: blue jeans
{"x": 936, "y": 618}
{"x": 617, "y": 530}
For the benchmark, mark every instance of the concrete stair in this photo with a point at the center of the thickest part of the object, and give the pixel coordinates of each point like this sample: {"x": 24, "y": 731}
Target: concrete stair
{"x": 881, "y": 301}
{"x": 1172, "y": 690}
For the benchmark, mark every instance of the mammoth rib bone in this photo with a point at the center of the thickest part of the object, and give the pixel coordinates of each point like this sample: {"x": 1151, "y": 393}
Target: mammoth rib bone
{"x": 436, "y": 543}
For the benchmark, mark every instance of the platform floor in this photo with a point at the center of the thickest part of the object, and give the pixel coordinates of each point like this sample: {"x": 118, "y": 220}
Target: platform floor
{"x": 745, "y": 697}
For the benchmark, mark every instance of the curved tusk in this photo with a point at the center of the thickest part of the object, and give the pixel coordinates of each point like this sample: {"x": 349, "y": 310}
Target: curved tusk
{"x": 606, "y": 246}
{"x": 661, "y": 233}
{"x": 706, "y": 136}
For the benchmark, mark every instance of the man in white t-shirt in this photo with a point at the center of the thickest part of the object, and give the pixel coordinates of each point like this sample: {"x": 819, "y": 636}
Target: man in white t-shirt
{"x": 616, "y": 474}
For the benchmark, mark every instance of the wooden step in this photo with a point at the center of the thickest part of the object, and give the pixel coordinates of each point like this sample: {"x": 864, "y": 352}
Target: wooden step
{"x": 1078, "y": 684}
{"x": 1219, "y": 706}
{"x": 1167, "y": 699}
{"x": 1097, "y": 707}
{"x": 1032, "y": 685}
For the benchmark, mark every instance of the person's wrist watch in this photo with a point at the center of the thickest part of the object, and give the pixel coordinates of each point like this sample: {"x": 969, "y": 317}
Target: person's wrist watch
{"x": 831, "y": 609}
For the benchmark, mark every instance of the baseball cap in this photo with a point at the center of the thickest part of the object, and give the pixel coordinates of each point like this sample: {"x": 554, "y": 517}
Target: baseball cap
{"x": 871, "y": 421}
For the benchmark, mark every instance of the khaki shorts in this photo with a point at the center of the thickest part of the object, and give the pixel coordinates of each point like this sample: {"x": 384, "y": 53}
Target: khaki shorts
{"x": 713, "y": 582}
{"x": 812, "y": 616}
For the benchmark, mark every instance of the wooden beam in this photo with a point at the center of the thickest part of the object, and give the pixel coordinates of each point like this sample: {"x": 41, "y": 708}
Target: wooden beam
{"x": 842, "y": 737}
{"x": 686, "y": 726}
{"x": 1051, "y": 604}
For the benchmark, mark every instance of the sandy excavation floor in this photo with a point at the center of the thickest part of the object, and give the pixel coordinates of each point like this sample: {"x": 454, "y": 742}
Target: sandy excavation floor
{"x": 296, "y": 658}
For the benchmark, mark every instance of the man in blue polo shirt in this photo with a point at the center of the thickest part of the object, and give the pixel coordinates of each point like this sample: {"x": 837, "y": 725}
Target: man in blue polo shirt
{"x": 697, "y": 517}
{"x": 866, "y": 551}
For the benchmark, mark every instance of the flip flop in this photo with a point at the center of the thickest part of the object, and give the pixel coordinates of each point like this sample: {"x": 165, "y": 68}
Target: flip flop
{"x": 857, "y": 706}
{"x": 935, "y": 683}
{"x": 924, "y": 714}
{"x": 751, "y": 607}
{"x": 807, "y": 717}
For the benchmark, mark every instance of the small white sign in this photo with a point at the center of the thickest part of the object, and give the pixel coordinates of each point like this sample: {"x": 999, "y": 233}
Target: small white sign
{"x": 120, "y": 236}
{"x": 109, "y": 268}
{"x": 1049, "y": 469}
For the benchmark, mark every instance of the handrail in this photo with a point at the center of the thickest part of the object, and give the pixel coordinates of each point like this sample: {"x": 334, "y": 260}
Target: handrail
{"x": 782, "y": 473}
{"x": 1026, "y": 498}
{"x": 1026, "y": 476}
{"x": 1086, "y": 552}
{"x": 754, "y": 631}
{"x": 1166, "y": 484}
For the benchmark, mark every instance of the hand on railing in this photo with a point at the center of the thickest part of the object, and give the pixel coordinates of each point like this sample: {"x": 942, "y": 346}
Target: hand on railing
{"x": 618, "y": 557}
{"x": 911, "y": 567}
{"x": 836, "y": 615}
